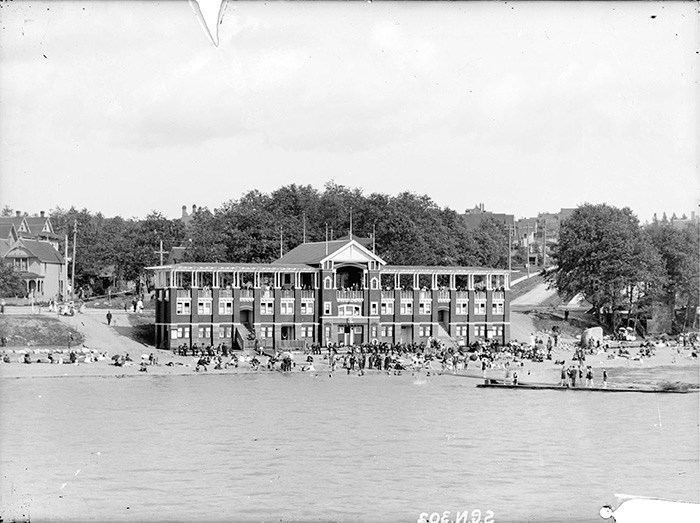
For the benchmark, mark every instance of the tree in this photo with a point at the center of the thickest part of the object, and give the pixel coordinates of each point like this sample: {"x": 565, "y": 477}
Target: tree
{"x": 604, "y": 255}
{"x": 11, "y": 284}
{"x": 680, "y": 257}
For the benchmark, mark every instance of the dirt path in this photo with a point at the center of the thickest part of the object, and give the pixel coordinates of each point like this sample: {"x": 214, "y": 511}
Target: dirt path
{"x": 99, "y": 336}
{"x": 536, "y": 296}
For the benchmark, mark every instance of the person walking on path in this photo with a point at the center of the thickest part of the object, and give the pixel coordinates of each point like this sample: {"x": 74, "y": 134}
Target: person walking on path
{"x": 109, "y": 317}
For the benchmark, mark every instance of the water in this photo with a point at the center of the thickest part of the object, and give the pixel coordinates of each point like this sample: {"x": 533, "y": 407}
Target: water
{"x": 373, "y": 448}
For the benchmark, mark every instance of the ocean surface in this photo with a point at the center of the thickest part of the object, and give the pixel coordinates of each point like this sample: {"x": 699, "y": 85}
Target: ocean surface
{"x": 273, "y": 447}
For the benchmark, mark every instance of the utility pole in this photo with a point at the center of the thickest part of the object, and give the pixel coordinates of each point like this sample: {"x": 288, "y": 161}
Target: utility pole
{"x": 64, "y": 296}
{"x": 527, "y": 248}
{"x": 326, "y": 238}
{"x": 544, "y": 244}
{"x": 72, "y": 285}
{"x": 374, "y": 237}
{"x": 510, "y": 247}
{"x": 161, "y": 252}
{"x": 304, "y": 228}
{"x": 280, "y": 241}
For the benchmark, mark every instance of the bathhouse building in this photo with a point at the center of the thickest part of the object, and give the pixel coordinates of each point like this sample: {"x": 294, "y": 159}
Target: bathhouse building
{"x": 337, "y": 291}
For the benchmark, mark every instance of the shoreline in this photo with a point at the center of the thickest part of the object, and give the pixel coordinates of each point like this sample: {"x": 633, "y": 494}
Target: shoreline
{"x": 666, "y": 359}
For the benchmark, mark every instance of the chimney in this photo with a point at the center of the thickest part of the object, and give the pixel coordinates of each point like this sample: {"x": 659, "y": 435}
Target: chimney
{"x": 41, "y": 213}
{"x": 194, "y": 208}
{"x": 18, "y": 214}
{"x": 184, "y": 211}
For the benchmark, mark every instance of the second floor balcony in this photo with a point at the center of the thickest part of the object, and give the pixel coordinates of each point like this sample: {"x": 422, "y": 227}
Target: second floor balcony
{"x": 350, "y": 295}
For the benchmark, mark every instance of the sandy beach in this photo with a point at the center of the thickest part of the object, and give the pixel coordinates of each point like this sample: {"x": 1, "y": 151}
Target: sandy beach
{"x": 172, "y": 365}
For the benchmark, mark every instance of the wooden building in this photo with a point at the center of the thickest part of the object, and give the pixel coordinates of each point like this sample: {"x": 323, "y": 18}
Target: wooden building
{"x": 337, "y": 291}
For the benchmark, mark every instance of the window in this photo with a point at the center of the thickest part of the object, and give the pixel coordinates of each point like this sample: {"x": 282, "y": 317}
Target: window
{"x": 374, "y": 308}
{"x": 327, "y": 307}
{"x": 425, "y": 307}
{"x": 327, "y": 282}
{"x": 480, "y": 307}
{"x": 204, "y": 332}
{"x": 307, "y": 307}
{"x": 182, "y": 307}
{"x": 307, "y": 331}
{"x": 226, "y": 307}
{"x": 374, "y": 284}
{"x": 184, "y": 332}
{"x": 480, "y": 330}
{"x": 266, "y": 331}
{"x": 348, "y": 310}
{"x": 173, "y": 334}
{"x": 287, "y": 307}
{"x": 425, "y": 330}
{"x": 224, "y": 331}
{"x": 204, "y": 307}
{"x": 373, "y": 330}
{"x": 21, "y": 264}
{"x": 497, "y": 307}
{"x": 462, "y": 308}
{"x": 407, "y": 307}
{"x": 328, "y": 331}
{"x": 387, "y": 307}
{"x": 387, "y": 330}
{"x": 267, "y": 307}
{"x": 461, "y": 330}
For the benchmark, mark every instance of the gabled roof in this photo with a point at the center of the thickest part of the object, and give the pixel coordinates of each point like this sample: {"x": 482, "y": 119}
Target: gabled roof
{"x": 5, "y": 246}
{"x": 315, "y": 253}
{"x": 37, "y": 224}
{"x": 8, "y": 231}
{"x": 14, "y": 220}
{"x": 43, "y": 251}
{"x": 311, "y": 253}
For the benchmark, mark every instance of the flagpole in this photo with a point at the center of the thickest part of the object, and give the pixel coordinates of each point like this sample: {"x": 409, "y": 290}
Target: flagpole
{"x": 326, "y": 238}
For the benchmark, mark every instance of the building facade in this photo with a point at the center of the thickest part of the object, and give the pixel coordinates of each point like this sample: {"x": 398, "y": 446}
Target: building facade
{"x": 30, "y": 245}
{"x": 327, "y": 292}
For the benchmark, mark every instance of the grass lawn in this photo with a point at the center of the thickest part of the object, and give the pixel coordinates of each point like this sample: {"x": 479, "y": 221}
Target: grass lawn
{"x": 41, "y": 331}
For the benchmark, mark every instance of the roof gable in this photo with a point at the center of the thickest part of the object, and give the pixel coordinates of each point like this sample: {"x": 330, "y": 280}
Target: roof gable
{"x": 39, "y": 224}
{"x": 8, "y": 232}
{"x": 43, "y": 251}
{"x": 353, "y": 252}
{"x": 310, "y": 253}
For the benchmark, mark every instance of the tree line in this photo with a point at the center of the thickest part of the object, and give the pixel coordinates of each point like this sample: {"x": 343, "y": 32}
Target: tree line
{"x": 407, "y": 229}
{"x": 626, "y": 270}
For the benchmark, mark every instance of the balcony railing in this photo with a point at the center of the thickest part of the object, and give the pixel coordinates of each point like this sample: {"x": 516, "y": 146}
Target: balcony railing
{"x": 225, "y": 293}
{"x": 406, "y": 295}
{"x": 204, "y": 293}
{"x": 499, "y": 295}
{"x": 184, "y": 293}
{"x": 350, "y": 295}
{"x": 426, "y": 295}
{"x": 267, "y": 293}
{"x": 286, "y": 293}
{"x": 387, "y": 295}
{"x": 308, "y": 295}
{"x": 443, "y": 295}
{"x": 480, "y": 295}
{"x": 462, "y": 295}
{"x": 246, "y": 294}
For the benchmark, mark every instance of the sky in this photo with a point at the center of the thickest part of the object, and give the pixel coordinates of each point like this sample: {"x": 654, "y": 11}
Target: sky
{"x": 125, "y": 107}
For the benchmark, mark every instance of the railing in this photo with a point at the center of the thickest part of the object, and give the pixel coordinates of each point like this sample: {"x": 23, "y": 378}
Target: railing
{"x": 426, "y": 295}
{"x": 308, "y": 295}
{"x": 406, "y": 295}
{"x": 184, "y": 293}
{"x": 480, "y": 295}
{"x": 225, "y": 293}
{"x": 246, "y": 294}
{"x": 350, "y": 295}
{"x": 267, "y": 293}
{"x": 462, "y": 295}
{"x": 239, "y": 340}
{"x": 443, "y": 295}
{"x": 204, "y": 293}
{"x": 499, "y": 295}
{"x": 387, "y": 295}
{"x": 286, "y": 293}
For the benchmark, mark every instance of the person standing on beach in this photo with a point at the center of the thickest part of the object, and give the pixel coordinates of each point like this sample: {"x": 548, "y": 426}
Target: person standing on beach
{"x": 605, "y": 378}
{"x": 109, "y": 317}
{"x": 564, "y": 382}
{"x": 589, "y": 376}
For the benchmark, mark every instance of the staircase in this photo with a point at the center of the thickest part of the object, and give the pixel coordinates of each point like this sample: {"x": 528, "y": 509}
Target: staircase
{"x": 242, "y": 335}
{"x": 444, "y": 338}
